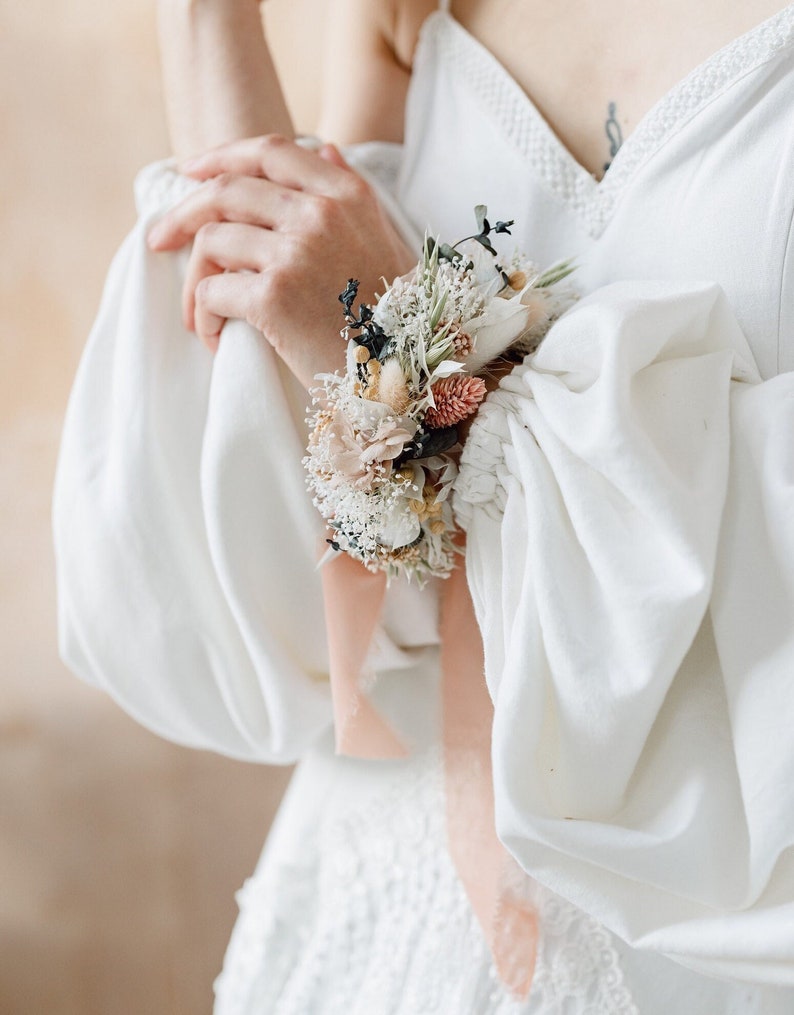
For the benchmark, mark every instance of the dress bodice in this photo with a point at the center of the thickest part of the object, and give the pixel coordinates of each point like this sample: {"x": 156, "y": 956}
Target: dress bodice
{"x": 666, "y": 207}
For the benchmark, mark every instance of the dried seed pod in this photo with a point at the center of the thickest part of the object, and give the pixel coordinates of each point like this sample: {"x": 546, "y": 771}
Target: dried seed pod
{"x": 361, "y": 354}
{"x": 462, "y": 345}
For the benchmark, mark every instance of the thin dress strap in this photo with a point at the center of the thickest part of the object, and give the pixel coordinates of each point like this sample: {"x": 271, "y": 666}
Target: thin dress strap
{"x": 443, "y": 5}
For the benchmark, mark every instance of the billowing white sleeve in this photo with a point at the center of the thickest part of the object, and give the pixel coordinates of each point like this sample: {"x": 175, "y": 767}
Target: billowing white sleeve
{"x": 186, "y": 542}
{"x": 628, "y": 494}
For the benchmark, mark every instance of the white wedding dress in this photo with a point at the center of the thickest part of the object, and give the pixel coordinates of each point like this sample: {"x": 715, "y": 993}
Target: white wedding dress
{"x": 628, "y": 497}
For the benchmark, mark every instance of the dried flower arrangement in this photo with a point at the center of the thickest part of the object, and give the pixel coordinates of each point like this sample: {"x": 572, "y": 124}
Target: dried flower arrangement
{"x": 381, "y": 452}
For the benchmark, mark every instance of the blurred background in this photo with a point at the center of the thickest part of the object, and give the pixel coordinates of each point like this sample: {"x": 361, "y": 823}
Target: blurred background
{"x": 119, "y": 853}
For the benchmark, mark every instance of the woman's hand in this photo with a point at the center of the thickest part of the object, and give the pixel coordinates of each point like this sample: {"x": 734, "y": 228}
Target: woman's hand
{"x": 277, "y": 232}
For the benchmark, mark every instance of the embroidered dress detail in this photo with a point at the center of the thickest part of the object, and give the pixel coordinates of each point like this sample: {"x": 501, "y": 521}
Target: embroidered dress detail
{"x": 369, "y": 918}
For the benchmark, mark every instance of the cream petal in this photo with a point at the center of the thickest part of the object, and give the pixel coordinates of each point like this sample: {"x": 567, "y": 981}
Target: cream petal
{"x": 367, "y": 414}
{"x": 399, "y": 525}
{"x": 446, "y": 368}
{"x": 496, "y": 330}
{"x": 486, "y": 274}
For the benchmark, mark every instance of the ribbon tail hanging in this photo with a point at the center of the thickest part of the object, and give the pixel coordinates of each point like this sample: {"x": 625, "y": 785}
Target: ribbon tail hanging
{"x": 508, "y": 919}
{"x": 353, "y": 598}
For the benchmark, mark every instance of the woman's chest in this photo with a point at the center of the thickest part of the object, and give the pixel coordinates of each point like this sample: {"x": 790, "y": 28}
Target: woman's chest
{"x": 594, "y": 70}
{"x": 701, "y": 190}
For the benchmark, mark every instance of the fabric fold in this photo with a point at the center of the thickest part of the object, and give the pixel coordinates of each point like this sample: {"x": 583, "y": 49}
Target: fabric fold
{"x": 179, "y": 490}
{"x": 631, "y": 572}
{"x": 184, "y": 534}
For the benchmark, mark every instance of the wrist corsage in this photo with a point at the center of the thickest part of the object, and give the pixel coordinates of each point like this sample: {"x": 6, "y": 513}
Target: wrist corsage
{"x": 379, "y": 457}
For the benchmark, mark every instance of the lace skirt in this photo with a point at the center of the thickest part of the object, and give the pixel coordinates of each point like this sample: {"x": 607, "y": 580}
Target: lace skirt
{"x": 356, "y": 909}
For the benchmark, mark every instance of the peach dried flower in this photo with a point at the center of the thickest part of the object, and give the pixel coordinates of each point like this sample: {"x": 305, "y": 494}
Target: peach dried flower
{"x": 456, "y": 398}
{"x": 462, "y": 345}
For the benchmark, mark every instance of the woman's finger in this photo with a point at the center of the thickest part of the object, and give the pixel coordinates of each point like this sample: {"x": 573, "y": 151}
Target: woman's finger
{"x": 220, "y": 298}
{"x": 275, "y": 158}
{"x": 331, "y": 154}
{"x": 225, "y": 246}
{"x": 226, "y": 198}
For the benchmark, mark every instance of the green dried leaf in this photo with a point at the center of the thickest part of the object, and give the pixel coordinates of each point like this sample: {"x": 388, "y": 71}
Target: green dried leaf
{"x": 482, "y": 238}
{"x": 448, "y": 253}
{"x": 428, "y": 444}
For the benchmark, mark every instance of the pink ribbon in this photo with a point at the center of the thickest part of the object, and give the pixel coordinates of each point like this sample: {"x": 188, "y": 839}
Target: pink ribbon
{"x": 353, "y": 606}
{"x": 353, "y": 599}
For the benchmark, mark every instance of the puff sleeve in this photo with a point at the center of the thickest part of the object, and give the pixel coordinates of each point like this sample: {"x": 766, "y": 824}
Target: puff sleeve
{"x": 186, "y": 542}
{"x": 628, "y": 495}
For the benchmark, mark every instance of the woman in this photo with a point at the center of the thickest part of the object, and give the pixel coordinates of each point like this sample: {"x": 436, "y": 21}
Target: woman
{"x": 626, "y": 495}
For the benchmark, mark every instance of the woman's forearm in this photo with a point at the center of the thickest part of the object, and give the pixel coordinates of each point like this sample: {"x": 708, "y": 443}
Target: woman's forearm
{"x": 220, "y": 83}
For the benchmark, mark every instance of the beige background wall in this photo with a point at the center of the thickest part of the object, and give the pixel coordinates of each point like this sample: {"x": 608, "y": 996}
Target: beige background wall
{"x": 119, "y": 853}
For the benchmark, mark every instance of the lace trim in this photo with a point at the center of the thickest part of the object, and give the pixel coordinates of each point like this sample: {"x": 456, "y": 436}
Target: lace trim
{"x": 579, "y": 968}
{"x": 512, "y": 110}
{"x": 371, "y": 919}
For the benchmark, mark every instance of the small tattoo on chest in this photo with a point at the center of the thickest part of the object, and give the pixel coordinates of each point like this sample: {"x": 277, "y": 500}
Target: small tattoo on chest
{"x": 613, "y": 132}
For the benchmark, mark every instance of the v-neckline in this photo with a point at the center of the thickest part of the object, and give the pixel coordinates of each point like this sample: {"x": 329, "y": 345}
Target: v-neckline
{"x": 511, "y": 106}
